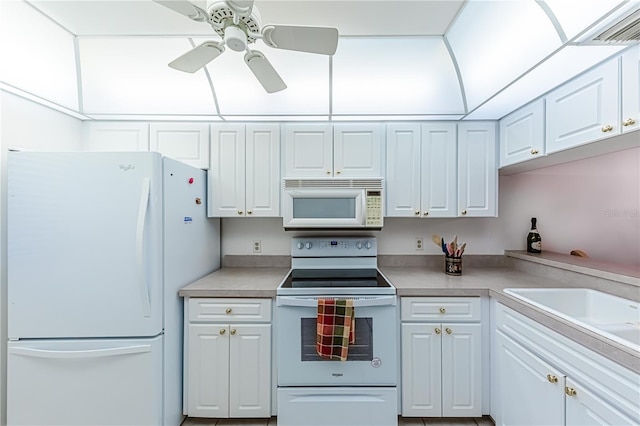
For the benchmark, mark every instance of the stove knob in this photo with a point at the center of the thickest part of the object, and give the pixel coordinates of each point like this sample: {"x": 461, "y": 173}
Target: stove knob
{"x": 367, "y": 245}
{"x": 300, "y": 246}
{"x": 308, "y": 245}
{"x": 359, "y": 245}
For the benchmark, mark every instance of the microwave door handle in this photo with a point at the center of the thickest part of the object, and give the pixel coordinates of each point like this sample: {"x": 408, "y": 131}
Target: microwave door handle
{"x": 357, "y": 303}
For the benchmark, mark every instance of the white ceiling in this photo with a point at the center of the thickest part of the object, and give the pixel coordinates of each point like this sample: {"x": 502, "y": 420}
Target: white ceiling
{"x": 417, "y": 59}
{"x": 351, "y": 17}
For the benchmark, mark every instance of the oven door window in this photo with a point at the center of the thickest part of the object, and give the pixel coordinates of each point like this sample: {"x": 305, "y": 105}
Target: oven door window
{"x": 361, "y": 350}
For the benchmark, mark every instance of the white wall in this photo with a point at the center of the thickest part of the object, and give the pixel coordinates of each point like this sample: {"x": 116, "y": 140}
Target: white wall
{"x": 592, "y": 205}
{"x": 26, "y": 125}
{"x": 398, "y": 236}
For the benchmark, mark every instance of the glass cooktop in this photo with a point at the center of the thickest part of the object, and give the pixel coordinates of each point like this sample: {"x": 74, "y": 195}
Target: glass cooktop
{"x": 330, "y": 278}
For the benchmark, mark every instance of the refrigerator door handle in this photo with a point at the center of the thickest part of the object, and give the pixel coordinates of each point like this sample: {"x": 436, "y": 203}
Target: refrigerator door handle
{"x": 89, "y": 353}
{"x": 140, "y": 228}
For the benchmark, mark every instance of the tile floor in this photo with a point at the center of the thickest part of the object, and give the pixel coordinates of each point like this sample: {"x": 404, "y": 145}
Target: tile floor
{"x": 403, "y": 421}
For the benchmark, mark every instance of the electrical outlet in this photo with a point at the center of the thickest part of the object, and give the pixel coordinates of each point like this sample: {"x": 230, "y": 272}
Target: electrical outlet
{"x": 257, "y": 247}
{"x": 419, "y": 244}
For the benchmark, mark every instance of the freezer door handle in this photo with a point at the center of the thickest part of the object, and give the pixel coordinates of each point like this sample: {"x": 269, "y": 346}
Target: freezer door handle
{"x": 87, "y": 353}
{"x": 140, "y": 234}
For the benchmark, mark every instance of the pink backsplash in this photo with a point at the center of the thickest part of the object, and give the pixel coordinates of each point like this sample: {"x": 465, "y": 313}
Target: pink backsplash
{"x": 591, "y": 204}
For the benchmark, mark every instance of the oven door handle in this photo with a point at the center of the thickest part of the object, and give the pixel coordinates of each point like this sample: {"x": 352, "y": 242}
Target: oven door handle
{"x": 312, "y": 302}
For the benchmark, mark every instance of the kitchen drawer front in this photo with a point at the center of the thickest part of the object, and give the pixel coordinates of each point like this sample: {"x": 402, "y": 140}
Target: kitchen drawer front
{"x": 229, "y": 310}
{"x": 447, "y": 309}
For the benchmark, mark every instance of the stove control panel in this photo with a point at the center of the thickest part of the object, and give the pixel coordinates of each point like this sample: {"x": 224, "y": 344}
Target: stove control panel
{"x": 333, "y": 247}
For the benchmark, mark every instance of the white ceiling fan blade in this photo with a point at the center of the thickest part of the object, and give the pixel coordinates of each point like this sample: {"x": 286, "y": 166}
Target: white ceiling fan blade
{"x": 185, "y": 8}
{"x": 264, "y": 71}
{"x": 302, "y": 39}
{"x": 240, "y": 7}
{"x": 198, "y": 57}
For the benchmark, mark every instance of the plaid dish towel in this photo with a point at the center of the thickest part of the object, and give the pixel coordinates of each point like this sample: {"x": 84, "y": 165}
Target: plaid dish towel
{"x": 335, "y": 328}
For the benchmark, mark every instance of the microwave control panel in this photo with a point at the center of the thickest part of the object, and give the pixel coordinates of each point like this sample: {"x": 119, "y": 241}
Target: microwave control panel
{"x": 374, "y": 209}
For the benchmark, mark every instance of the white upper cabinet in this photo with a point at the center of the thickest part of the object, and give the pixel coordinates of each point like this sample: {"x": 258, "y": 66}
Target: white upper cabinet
{"x": 421, "y": 170}
{"x": 115, "y": 136}
{"x": 439, "y": 170}
{"x": 477, "y": 171}
{"x": 522, "y": 134}
{"x": 402, "y": 184}
{"x": 357, "y": 150}
{"x": 308, "y": 150}
{"x": 583, "y": 110}
{"x": 186, "y": 142}
{"x": 244, "y": 178}
{"x": 262, "y": 150}
{"x": 631, "y": 89}
{"x": 342, "y": 150}
{"x": 226, "y": 176}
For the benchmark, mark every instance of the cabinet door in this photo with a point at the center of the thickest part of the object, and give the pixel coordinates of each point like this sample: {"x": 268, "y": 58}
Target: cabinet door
{"x": 250, "y": 370}
{"x": 584, "y": 109}
{"x": 530, "y": 390}
{"x": 262, "y": 192}
{"x": 207, "y": 371}
{"x": 421, "y": 370}
{"x": 439, "y": 170}
{"x": 115, "y": 136}
{"x": 402, "y": 185}
{"x": 586, "y": 409}
{"x": 186, "y": 142}
{"x": 357, "y": 150}
{"x": 308, "y": 150}
{"x": 631, "y": 89}
{"x": 477, "y": 172}
{"x": 522, "y": 134}
{"x": 461, "y": 370}
{"x": 226, "y": 176}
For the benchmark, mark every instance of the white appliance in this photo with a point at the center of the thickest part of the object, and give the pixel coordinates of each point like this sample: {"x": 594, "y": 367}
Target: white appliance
{"x": 363, "y": 389}
{"x": 98, "y": 246}
{"x": 333, "y": 203}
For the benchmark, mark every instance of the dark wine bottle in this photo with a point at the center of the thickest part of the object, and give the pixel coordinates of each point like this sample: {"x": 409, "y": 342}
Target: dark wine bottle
{"x": 534, "y": 241}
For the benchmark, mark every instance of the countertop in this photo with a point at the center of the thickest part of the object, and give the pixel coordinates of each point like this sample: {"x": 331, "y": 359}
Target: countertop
{"x": 237, "y": 282}
{"x": 431, "y": 281}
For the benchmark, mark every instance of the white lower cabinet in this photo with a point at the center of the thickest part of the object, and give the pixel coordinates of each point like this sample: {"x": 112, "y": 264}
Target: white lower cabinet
{"x": 524, "y": 378}
{"x": 228, "y": 364}
{"x": 441, "y": 361}
{"x": 542, "y": 378}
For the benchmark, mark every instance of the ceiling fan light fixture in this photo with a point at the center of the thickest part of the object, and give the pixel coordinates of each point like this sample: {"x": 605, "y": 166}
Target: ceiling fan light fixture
{"x": 235, "y": 38}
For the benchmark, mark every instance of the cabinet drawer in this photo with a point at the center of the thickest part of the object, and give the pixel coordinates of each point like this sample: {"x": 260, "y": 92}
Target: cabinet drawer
{"x": 236, "y": 310}
{"x": 440, "y": 309}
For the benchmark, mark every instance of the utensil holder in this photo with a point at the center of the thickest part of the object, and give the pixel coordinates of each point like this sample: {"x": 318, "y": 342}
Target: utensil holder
{"x": 453, "y": 265}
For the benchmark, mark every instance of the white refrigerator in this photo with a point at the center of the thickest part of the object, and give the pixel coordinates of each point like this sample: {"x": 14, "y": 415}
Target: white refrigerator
{"x": 98, "y": 246}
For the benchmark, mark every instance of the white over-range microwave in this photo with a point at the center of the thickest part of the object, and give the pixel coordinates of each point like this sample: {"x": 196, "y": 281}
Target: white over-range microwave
{"x": 333, "y": 203}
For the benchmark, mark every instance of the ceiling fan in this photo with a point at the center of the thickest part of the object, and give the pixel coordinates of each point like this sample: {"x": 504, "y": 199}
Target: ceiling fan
{"x": 238, "y": 23}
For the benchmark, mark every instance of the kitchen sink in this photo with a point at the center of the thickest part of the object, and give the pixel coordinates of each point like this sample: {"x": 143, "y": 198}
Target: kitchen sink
{"x": 612, "y": 317}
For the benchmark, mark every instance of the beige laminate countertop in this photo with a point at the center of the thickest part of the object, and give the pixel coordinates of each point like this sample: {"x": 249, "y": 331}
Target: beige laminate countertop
{"x": 427, "y": 281}
{"x": 237, "y": 282}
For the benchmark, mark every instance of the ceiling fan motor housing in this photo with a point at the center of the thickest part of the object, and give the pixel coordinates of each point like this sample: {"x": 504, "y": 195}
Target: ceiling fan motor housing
{"x": 220, "y": 16}
{"x": 235, "y": 38}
